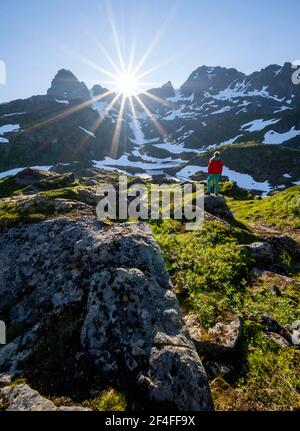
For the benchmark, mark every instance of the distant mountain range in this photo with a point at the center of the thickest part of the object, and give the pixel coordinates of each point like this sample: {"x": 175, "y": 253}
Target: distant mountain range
{"x": 254, "y": 119}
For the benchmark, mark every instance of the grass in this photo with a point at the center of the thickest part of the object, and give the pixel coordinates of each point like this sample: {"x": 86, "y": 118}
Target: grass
{"x": 280, "y": 210}
{"x": 232, "y": 190}
{"x": 208, "y": 267}
{"x": 271, "y": 380}
{"x": 211, "y": 276}
{"x": 8, "y": 186}
{"x": 108, "y": 400}
{"x": 64, "y": 193}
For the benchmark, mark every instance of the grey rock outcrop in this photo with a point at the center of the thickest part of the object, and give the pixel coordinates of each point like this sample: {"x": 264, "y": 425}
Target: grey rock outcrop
{"x": 102, "y": 294}
{"x": 23, "y": 398}
{"x": 262, "y": 252}
{"x": 217, "y": 206}
{"x": 221, "y": 339}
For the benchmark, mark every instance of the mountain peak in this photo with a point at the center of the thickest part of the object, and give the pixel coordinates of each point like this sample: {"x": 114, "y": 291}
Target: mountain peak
{"x": 66, "y": 86}
{"x": 98, "y": 90}
{"x": 165, "y": 91}
{"x": 167, "y": 85}
{"x": 205, "y": 77}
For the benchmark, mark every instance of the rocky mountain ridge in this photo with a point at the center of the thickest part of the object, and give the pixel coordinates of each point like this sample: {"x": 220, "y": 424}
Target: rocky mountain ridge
{"x": 215, "y": 107}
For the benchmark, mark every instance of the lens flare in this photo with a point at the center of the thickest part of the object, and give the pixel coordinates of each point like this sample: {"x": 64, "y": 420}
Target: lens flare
{"x": 127, "y": 84}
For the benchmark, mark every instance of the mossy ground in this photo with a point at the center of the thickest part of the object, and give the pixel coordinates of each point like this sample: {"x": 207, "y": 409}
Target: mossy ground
{"x": 108, "y": 400}
{"x": 212, "y": 277}
{"x": 281, "y": 210}
{"x": 12, "y": 214}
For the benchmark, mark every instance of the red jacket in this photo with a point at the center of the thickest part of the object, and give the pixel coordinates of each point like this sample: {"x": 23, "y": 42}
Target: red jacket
{"x": 215, "y": 166}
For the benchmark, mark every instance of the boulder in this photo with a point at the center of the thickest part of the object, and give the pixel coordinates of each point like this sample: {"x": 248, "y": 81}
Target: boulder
{"x": 88, "y": 196}
{"x": 29, "y": 176}
{"x": 284, "y": 243}
{"x": 296, "y": 333}
{"x": 275, "y": 290}
{"x": 218, "y": 369}
{"x": 96, "y": 304}
{"x": 221, "y": 339}
{"x": 271, "y": 325}
{"x": 32, "y": 204}
{"x": 217, "y": 206}
{"x": 23, "y": 398}
{"x": 262, "y": 252}
{"x": 278, "y": 339}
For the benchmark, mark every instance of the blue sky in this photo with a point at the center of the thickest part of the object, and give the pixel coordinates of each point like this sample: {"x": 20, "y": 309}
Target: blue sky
{"x": 37, "y": 38}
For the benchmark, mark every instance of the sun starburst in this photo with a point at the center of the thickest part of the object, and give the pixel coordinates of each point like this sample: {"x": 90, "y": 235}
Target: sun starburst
{"x": 126, "y": 85}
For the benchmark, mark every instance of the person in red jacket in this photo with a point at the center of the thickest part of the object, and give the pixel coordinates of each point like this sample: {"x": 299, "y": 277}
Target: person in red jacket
{"x": 215, "y": 168}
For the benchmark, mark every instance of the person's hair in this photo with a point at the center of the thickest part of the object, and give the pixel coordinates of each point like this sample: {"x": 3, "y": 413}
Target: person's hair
{"x": 216, "y": 153}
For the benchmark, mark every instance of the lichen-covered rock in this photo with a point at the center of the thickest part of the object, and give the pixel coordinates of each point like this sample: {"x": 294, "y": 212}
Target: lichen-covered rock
{"x": 29, "y": 176}
{"x": 23, "y": 398}
{"x": 217, "y": 206}
{"x": 262, "y": 252}
{"x": 218, "y": 368}
{"x": 221, "y": 339}
{"x": 95, "y": 302}
{"x": 284, "y": 243}
{"x": 296, "y": 333}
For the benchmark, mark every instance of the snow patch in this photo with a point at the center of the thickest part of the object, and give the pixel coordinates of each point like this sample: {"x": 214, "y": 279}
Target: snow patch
{"x": 272, "y": 137}
{"x": 139, "y": 136}
{"x": 123, "y": 161}
{"x": 230, "y": 141}
{"x": 13, "y": 114}
{"x": 64, "y": 102}
{"x": 175, "y": 148}
{"x": 220, "y": 111}
{"x": 100, "y": 107}
{"x": 87, "y": 131}
{"x": 9, "y": 128}
{"x": 243, "y": 180}
{"x": 257, "y": 125}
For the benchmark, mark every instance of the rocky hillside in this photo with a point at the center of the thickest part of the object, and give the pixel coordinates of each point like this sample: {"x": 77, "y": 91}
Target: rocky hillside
{"x": 215, "y": 107}
{"x": 142, "y": 315}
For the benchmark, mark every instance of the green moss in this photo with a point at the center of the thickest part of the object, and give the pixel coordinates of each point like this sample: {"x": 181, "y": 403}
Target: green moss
{"x": 273, "y": 377}
{"x": 18, "y": 381}
{"x": 11, "y": 213}
{"x": 231, "y": 189}
{"x": 207, "y": 266}
{"x": 8, "y": 186}
{"x": 64, "y": 193}
{"x": 282, "y": 209}
{"x": 108, "y": 400}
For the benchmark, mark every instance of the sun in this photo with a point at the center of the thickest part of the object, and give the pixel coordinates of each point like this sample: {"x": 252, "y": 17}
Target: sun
{"x": 127, "y": 84}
